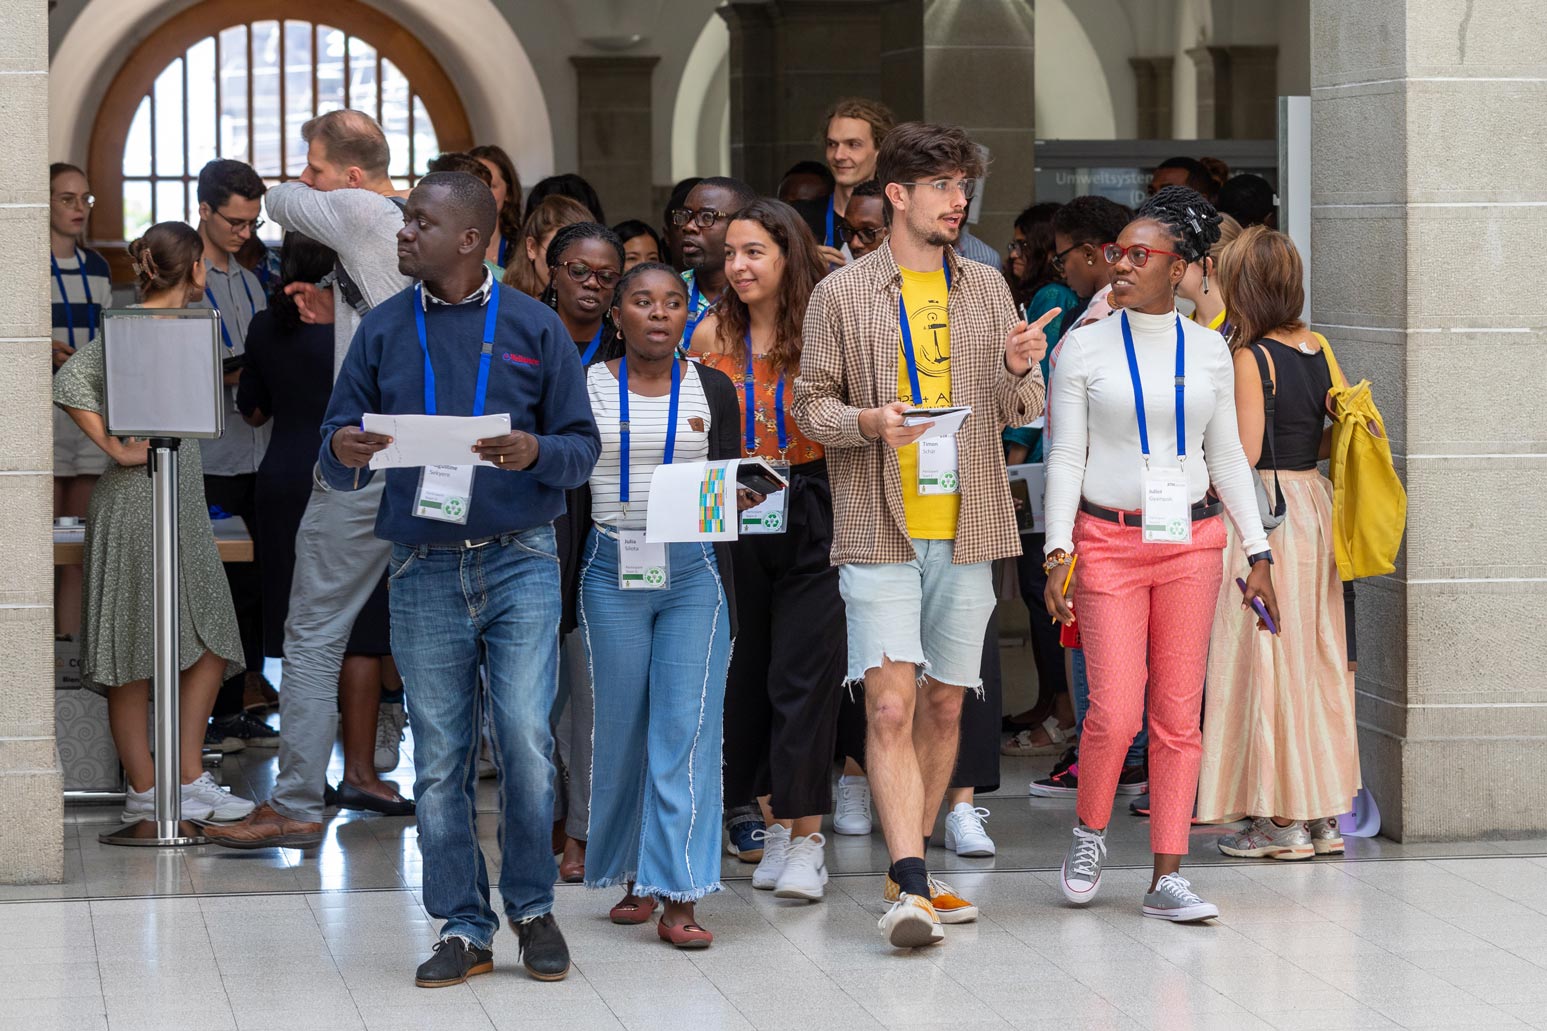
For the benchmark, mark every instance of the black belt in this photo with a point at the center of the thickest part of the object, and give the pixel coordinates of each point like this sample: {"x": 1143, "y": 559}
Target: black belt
{"x": 1201, "y": 510}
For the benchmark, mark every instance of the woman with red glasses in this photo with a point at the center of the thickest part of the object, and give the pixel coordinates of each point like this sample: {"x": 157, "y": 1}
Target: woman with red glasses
{"x": 1144, "y": 405}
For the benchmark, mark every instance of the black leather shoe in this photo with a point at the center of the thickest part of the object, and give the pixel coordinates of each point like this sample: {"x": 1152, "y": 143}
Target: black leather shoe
{"x": 454, "y": 961}
{"x": 543, "y": 951}
{"x": 347, "y": 796}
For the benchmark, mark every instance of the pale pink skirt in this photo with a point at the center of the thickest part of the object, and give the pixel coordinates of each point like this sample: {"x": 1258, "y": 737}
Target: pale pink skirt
{"x": 1279, "y": 737}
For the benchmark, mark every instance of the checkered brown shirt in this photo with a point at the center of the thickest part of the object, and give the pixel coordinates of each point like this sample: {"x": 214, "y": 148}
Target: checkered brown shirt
{"x": 851, "y": 351}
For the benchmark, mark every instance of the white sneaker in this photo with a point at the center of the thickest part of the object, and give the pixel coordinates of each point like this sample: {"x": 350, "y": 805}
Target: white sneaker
{"x": 965, "y": 833}
{"x": 852, "y": 814}
{"x": 911, "y": 923}
{"x": 776, "y": 850}
{"x": 206, "y": 800}
{"x": 139, "y": 805}
{"x": 1174, "y": 899}
{"x": 390, "y": 721}
{"x": 805, "y": 870}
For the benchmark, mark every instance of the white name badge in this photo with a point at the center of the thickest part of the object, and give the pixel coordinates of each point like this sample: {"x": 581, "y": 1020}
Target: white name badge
{"x": 445, "y": 493}
{"x": 642, "y": 566}
{"x": 1167, "y": 510}
{"x": 937, "y": 466}
{"x": 773, "y": 515}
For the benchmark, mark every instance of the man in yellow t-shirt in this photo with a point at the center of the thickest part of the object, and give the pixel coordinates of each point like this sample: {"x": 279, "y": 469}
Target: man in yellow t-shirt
{"x": 932, "y": 516}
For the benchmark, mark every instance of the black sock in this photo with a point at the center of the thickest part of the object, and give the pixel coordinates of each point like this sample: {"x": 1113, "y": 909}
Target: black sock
{"x": 911, "y": 876}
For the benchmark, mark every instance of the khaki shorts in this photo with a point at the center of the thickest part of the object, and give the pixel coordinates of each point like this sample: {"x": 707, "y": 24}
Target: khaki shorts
{"x": 74, "y": 453}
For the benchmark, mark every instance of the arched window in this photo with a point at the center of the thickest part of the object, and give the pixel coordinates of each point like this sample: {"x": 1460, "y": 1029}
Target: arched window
{"x": 216, "y": 82}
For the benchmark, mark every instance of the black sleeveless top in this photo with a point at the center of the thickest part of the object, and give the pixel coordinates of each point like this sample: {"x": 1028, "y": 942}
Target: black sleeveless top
{"x": 1300, "y": 407}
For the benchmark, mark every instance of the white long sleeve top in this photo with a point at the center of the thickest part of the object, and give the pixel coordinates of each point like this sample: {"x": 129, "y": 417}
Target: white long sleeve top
{"x": 1095, "y": 452}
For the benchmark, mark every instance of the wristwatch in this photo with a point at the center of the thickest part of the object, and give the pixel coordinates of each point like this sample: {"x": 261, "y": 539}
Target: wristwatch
{"x": 1261, "y": 556}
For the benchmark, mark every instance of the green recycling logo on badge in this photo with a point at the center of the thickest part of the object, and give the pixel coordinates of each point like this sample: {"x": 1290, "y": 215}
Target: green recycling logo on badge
{"x": 948, "y": 480}
{"x": 772, "y": 521}
{"x": 454, "y": 507}
{"x": 1176, "y": 528}
{"x": 655, "y": 576}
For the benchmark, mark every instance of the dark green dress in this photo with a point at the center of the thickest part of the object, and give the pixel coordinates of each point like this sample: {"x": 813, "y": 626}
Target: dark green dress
{"x": 117, "y": 629}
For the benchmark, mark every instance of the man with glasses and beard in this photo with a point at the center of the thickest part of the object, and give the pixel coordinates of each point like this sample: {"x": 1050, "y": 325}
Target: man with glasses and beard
{"x": 702, "y": 221}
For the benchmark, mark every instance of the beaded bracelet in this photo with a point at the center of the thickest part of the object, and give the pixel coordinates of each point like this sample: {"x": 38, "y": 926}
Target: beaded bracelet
{"x": 1052, "y": 562}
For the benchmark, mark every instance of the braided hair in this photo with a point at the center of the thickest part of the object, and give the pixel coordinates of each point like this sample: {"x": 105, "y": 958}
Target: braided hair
{"x": 562, "y": 241}
{"x": 618, "y": 293}
{"x": 1190, "y": 220}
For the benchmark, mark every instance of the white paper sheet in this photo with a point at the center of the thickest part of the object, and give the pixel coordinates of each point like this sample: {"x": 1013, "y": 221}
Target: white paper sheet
{"x": 433, "y": 439}
{"x": 945, "y": 425}
{"x": 693, "y": 501}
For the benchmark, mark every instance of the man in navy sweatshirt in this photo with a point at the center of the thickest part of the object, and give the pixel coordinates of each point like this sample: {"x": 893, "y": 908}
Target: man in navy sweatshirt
{"x": 474, "y": 568}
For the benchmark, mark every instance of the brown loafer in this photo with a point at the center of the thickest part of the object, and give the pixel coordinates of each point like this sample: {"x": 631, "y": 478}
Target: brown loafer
{"x": 637, "y": 911}
{"x": 684, "y": 936}
{"x": 264, "y": 828}
{"x": 572, "y": 866}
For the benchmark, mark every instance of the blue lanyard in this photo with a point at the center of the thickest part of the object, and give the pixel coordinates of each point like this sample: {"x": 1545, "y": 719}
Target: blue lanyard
{"x": 252, "y": 309}
{"x": 594, "y": 346}
{"x": 827, "y": 241}
{"x": 1138, "y": 392}
{"x": 492, "y": 307}
{"x": 504, "y": 250}
{"x": 693, "y": 316}
{"x": 69, "y": 308}
{"x": 623, "y": 430}
{"x": 907, "y": 337}
{"x": 748, "y": 385}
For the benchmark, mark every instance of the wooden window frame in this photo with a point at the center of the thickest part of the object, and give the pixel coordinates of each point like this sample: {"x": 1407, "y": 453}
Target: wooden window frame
{"x": 110, "y": 130}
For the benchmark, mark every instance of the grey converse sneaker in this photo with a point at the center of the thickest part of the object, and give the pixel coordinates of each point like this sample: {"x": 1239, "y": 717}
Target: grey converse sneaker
{"x": 1173, "y": 899}
{"x": 1264, "y": 838}
{"x": 1082, "y": 865}
{"x": 1326, "y": 837}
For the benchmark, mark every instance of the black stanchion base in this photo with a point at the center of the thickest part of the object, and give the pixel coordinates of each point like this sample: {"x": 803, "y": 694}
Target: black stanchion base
{"x": 145, "y": 833}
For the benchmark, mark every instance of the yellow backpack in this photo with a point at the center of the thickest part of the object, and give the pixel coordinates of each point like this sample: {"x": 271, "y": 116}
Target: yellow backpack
{"x": 1369, "y": 505}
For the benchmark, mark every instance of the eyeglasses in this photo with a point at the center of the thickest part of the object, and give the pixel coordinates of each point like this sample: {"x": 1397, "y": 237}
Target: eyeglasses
{"x": 1138, "y": 254}
{"x": 705, "y": 218}
{"x": 1058, "y": 259}
{"x": 239, "y": 224}
{"x": 869, "y": 237}
{"x": 579, "y": 271}
{"x": 967, "y": 186}
{"x": 1019, "y": 248}
{"x": 72, "y": 200}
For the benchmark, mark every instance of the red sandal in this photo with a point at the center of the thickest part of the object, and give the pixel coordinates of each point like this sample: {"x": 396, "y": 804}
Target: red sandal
{"x": 627, "y": 912}
{"x": 684, "y": 936}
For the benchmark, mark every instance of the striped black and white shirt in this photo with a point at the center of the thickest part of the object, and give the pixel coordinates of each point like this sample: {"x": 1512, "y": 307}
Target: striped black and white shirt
{"x": 647, "y": 444}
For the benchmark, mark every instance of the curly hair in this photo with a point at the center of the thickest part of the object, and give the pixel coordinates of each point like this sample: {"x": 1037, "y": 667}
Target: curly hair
{"x": 803, "y": 267}
{"x": 634, "y": 273}
{"x": 1190, "y": 220}
{"x": 1091, "y": 219}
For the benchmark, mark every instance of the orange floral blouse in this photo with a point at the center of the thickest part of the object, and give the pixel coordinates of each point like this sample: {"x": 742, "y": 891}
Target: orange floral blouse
{"x": 765, "y": 426}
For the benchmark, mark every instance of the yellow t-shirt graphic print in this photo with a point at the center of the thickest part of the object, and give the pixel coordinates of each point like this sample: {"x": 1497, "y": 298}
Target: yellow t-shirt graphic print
{"x": 930, "y": 517}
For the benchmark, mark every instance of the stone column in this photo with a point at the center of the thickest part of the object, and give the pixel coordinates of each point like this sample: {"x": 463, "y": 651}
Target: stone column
{"x": 1428, "y": 188}
{"x": 789, "y": 60}
{"x": 1237, "y": 92}
{"x": 31, "y": 783}
{"x": 1152, "y": 90}
{"x": 613, "y": 131}
{"x": 970, "y": 64}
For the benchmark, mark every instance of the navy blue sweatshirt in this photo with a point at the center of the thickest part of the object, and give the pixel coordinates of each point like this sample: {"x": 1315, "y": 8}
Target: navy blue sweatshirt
{"x": 535, "y": 376}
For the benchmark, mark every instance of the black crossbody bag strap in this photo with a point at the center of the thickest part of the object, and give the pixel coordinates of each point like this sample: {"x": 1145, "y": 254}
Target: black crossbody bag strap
{"x": 1260, "y": 353}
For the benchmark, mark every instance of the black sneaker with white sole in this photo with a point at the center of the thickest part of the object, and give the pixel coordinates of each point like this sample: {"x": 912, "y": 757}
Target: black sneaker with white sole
{"x": 245, "y": 730}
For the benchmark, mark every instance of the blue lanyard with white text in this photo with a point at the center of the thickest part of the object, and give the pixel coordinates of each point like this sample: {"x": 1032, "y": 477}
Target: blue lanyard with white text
{"x": 1138, "y": 392}
{"x": 489, "y": 321}
{"x": 69, "y": 308}
{"x": 623, "y": 429}
{"x": 252, "y": 309}
{"x": 907, "y": 337}
{"x": 594, "y": 346}
{"x": 748, "y": 386}
{"x": 827, "y": 241}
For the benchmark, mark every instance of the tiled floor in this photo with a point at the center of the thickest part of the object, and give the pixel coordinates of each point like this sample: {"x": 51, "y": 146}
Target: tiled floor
{"x": 1451, "y": 936}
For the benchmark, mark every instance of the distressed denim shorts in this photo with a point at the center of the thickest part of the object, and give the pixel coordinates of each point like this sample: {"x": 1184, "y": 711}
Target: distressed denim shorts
{"x": 929, "y": 612}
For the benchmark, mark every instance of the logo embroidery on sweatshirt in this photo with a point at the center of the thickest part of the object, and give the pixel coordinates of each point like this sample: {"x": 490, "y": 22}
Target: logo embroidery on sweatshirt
{"x": 519, "y": 359}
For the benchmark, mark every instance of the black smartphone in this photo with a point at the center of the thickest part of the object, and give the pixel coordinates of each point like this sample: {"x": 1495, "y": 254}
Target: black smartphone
{"x": 758, "y": 478}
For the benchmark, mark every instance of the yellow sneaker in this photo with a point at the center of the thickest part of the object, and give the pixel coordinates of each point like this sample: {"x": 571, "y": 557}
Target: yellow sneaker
{"x": 949, "y": 906}
{"x": 911, "y": 923}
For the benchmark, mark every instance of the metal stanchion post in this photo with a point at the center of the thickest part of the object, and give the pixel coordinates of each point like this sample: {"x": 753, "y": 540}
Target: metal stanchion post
{"x": 168, "y": 828}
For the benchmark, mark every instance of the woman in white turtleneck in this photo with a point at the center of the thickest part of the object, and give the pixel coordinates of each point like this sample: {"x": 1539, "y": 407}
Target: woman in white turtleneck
{"x": 1133, "y": 529}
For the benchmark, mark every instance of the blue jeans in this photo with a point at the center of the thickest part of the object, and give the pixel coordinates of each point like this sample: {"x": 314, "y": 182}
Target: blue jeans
{"x": 454, "y": 607}
{"x": 1080, "y": 692}
{"x": 658, "y": 663}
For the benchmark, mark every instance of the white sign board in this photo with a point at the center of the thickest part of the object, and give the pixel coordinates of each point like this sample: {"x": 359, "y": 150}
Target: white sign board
{"x": 164, "y": 372}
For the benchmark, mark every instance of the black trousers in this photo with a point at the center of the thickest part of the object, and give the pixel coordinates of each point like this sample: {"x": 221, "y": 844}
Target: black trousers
{"x": 977, "y": 756}
{"x": 787, "y": 667}
{"x": 237, "y": 495}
